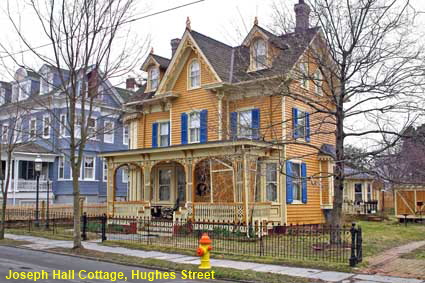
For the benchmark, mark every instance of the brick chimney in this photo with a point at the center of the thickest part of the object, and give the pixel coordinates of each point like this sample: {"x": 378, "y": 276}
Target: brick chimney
{"x": 302, "y": 15}
{"x": 130, "y": 83}
{"x": 174, "y": 44}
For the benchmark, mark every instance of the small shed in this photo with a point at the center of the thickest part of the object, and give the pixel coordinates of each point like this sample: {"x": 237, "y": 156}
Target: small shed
{"x": 409, "y": 201}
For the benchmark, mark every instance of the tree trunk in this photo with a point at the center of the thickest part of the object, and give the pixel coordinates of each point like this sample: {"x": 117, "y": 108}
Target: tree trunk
{"x": 77, "y": 212}
{"x": 3, "y": 217}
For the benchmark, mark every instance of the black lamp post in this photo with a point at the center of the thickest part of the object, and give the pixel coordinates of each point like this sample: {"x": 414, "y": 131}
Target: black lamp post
{"x": 38, "y": 166}
{"x": 47, "y": 203}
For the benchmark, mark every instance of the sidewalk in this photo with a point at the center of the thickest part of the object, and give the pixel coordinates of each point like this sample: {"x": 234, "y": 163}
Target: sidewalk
{"x": 327, "y": 276}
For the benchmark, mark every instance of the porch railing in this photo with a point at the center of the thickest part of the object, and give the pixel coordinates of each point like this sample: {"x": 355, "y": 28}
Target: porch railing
{"x": 367, "y": 207}
{"x": 129, "y": 209}
{"x": 230, "y": 212}
{"x": 29, "y": 185}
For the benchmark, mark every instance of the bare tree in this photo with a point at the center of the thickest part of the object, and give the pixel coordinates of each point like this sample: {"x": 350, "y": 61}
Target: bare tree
{"x": 369, "y": 66}
{"x": 88, "y": 45}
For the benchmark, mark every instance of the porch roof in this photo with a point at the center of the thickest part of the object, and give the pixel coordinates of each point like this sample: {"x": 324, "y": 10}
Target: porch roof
{"x": 180, "y": 147}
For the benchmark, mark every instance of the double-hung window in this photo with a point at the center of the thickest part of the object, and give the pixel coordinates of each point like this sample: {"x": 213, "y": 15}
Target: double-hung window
{"x": 62, "y": 125}
{"x": 194, "y": 74}
{"x": 2, "y": 96}
{"x": 91, "y": 128}
{"x": 89, "y": 168}
{"x": 194, "y": 127}
{"x": 164, "y": 134}
{"x": 33, "y": 129}
{"x": 245, "y": 124}
{"x": 304, "y": 75}
{"x": 271, "y": 182}
{"x": 259, "y": 53}
{"x": 301, "y": 124}
{"x": 369, "y": 192}
{"x": 46, "y": 126}
{"x": 358, "y": 192}
{"x": 125, "y": 175}
{"x": 318, "y": 82}
{"x": 125, "y": 135}
{"x": 164, "y": 184}
{"x": 105, "y": 170}
{"x": 61, "y": 167}
{"x": 153, "y": 78}
{"x": 5, "y": 133}
{"x": 296, "y": 182}
{"x": 108, "y": 135}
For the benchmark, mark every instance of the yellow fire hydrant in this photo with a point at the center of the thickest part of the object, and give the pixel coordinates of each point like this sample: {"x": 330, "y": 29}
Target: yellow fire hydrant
{"x": 204, "y": 251}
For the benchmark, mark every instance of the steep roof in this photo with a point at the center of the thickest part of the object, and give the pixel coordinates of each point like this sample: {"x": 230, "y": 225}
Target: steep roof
{"x": 124, "y": 93}
{"x": 162, "y": 61}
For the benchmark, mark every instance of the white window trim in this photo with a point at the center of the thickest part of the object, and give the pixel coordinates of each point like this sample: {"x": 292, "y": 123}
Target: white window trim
{"x": 189, "y": 81}
{"x": 318, "y": 84}
{"x": 94, "y": 137}
{"x": 83, "y": 165}
{"x": 44, "y": 125}
{"x": 304, "y": 76}
{"x": 35, "y": 129}
{"x": 159, "y": 132}
{"x": 246, "y": 109}
{"x": 112, "y": 133}
{"x": 188, "y": 126}
{"x": 155, "y": 67}
{"x": 125, "y": 169}
{"x": 2, "y": 132}
{"x": 2, "y": 96}
{"x": 62, "y": 126}
{"x": 63, "y": 178}
{"x": 104, "y": 174}
{"x": 294, "y": 201}
{"x": 124, "y": 140}
{"x": 302, "y": 138}
{"x": 277, "y": 182}
{"x": 253, "y": 61}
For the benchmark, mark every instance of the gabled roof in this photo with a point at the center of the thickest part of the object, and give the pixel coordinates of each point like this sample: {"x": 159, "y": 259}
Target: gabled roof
{"x": 162, "y": 61}
{"x": 124, "y": 93}
{"x": 352, "y": 173}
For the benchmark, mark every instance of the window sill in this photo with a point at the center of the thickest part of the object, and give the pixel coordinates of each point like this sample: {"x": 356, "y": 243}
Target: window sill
{"x": 194, "y": 88}
{"x": 297, "y": 202}
{"x": 111, "y": 142}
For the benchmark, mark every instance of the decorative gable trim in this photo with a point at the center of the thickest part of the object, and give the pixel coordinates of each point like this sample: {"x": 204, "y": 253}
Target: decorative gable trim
{"x": 178, "y": 61}
{"x": 254, "y": 34}
{"x": 148, "y": 62}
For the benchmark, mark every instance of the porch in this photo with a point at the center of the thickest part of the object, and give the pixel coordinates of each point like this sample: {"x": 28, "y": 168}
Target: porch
{"x": 237, "y": 183}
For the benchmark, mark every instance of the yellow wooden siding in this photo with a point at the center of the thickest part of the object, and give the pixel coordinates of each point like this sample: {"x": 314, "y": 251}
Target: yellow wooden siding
{"x": 145, "y": 131}
{"x": 195, "y": 99}
{"x": 270, "y": 114}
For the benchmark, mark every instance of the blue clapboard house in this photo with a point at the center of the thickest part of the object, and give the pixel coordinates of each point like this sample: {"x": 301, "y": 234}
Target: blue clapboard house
{"x": 32, "y": 114}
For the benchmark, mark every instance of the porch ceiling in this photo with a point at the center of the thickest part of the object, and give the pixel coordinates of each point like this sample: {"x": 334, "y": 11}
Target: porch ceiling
{"x": 189, "y": 147}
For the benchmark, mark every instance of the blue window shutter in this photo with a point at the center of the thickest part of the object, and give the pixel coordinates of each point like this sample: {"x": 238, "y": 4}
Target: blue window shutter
{"x": 184, "y": 128}
{"x": 204, "y": 126}
{"x": 289, "y": 193}
{"x": 169, "y": 131}
{"x": 255, "y": 123}
{"x": 307, "y": 127}
{"x": 304, "y": 182}
{"x": 295, "y": 122}
{"x": 233, "y": 125}
{"x": 155, "y": 135}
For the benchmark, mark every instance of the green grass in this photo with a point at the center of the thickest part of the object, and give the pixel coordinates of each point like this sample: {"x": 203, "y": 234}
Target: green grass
{"x": 381, "y": 236}
{"x": 10, "y": 242}
{"x": 59, "y": 234}
{"x": 220, "y": 272}
{"x": 416, "y": 254}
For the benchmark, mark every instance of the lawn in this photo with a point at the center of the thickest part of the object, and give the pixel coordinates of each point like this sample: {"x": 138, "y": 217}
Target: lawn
{"x": 416, "y": 254}
{"x": 380, "y": 236}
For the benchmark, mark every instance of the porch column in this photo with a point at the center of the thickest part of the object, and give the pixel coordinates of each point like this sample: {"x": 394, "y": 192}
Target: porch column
{"x": 246, "y": 186}
{"x": 189, "y": 184}
{"x": 147, "y": 174}
{"x": 15, "y": 181}
{"x": 110, "y": 190}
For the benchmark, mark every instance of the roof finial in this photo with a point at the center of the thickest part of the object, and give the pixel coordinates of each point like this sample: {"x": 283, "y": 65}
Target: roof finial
{"x": 151, "y": 50}
{"x": 188, "y": 24}
{"x": 256, "y": 21}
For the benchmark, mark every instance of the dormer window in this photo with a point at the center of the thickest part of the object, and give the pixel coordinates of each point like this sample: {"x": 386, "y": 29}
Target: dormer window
{"x": 153, "y": 78}
{"x": 24, "y": 89}
{"x": 194, "y": 74}
{"x": 259, "y": 54}
{"x": 318, "y": 82}
{"x": 304, "y": 75}
{"x": 46, "y": 82}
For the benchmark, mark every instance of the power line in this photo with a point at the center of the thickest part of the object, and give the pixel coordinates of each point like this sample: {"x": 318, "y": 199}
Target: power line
{"x": 124, "y": 22}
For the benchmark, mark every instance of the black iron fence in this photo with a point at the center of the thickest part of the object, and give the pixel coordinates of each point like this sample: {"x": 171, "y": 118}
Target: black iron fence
{"x": 313, "y": 242}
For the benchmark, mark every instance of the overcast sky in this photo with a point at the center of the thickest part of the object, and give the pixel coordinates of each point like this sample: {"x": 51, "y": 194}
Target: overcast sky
{"x": 224, "y": 20}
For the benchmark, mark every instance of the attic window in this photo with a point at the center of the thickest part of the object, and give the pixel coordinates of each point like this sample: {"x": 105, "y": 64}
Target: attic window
{"x": 194, "y": 74}
{"x": 259, "y": 54}
{"x": 153, "y": 78}
{"x": 46, "y": 82}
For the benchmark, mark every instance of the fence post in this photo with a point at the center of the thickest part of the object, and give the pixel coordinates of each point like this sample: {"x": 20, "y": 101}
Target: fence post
{"x": 359, "y": 242}
{"x": 84, "y": 230}
{"x": 104, "y": 227}
{"x": 353, "y": 258}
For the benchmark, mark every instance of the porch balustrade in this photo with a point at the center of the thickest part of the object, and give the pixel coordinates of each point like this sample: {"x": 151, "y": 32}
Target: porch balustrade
{"x": 129, "y": 209}
{"x": 29, "y": 185}
{"x": 230, "y": 212}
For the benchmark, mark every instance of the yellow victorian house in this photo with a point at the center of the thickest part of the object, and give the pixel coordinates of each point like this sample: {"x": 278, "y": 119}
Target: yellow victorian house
{"x": 212, "y": 138}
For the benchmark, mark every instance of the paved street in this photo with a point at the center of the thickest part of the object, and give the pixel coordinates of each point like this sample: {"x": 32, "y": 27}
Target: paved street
{"x": 23, "y": 260}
